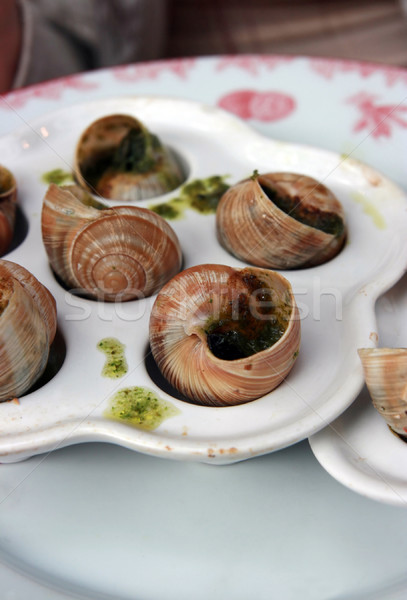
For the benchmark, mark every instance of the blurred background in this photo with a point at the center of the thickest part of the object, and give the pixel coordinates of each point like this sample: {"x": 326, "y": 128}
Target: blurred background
{"x": 372, "y": 30}
{"x": 45, "y": 39}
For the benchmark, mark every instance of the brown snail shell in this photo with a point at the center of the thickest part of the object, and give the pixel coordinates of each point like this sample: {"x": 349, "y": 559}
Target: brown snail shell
{"x": 8, "y": 199}
{"x": 120, "y": 253}
{"x": 118, "y": 158}
{"x": 281, "y": 221}
{"x": 28, "y": 323}
{"x": 385, "y": 371}
{"x": 211, "y": 328}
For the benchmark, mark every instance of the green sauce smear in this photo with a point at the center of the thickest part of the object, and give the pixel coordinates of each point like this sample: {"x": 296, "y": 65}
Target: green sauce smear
{"x": 369, "y": 210}
{"x": 201, "y": 195}
{"x": 57, "y": 176}
{"x": 140, "y": 407}
{"x": 136, "y": 152}
{"x": 116, "y": 364}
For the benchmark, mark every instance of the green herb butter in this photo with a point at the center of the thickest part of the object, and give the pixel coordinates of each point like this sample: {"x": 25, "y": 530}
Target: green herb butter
{"x": 116, "y": 364}
{"x": 202, "y": 195}
{"x": 140, "y": 407}
{"x": 237, "y": 332}
{"x": 57, "y": 176}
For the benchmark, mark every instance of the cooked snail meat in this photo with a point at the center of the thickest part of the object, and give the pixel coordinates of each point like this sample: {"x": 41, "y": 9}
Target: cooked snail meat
{"x": 281, "y": 221}
{"x": 224, "y": 336}
{"x": 118, "y": 158}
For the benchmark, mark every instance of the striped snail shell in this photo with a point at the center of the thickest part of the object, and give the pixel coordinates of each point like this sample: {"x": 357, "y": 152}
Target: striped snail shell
{"x": 118, "y": 158}
{"x": 281, "y": 221}
{"x": 120, "y": 253}
{"x": 385, "y": 371}
{"x": 224, "y": 336}
{"x": 8, "y": 198}
{"x": 28, "y": 323}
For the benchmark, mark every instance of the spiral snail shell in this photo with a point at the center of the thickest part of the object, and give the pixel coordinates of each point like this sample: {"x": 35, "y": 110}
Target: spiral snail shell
{"x": 224, "y": 336}
{"x": 8, "y": 198}
{"x": 120, "y": 253}
{"x": 281, "y": 221}
{"x": 28, "y": 323}
{"x": 385, "y": 371}
{"x": 118, "y": 158}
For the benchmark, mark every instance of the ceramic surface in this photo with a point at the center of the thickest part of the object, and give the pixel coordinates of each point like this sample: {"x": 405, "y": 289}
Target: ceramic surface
{"x": 100, "y": 521}
{"x": 358, "y": 449}
{"x": 335, "y": 299}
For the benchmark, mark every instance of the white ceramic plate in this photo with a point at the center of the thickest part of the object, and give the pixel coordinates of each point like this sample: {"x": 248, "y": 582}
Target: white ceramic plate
{"x": 358, "y": 448}
{"x": 99, "y": 521}
{"x": 336, "y": 300}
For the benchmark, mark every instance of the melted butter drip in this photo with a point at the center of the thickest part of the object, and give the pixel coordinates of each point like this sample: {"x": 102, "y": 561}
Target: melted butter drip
{"x": 140, "y": 407}
{"x": 201, "y": 195}
{"x": 57, "y": 176}
{"x": 370, "y": 210}
{"x": 116, "y": 364}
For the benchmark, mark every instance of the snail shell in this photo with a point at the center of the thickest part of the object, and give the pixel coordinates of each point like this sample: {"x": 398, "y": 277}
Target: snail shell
{"x": 8, "y": 198}
{"x": 119, "y": 253}
{"x": 281, "y": 221}
{"x": 385, "y": 371}
{"x": 224, "y": 336}
{"x": 28, "y": 323}
{"x": 118, "y": 158}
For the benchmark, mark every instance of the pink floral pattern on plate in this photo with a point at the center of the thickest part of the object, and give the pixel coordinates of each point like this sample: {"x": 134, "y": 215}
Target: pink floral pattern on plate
{"x": 261, "y": 106}
{"x": 252, "y": 62}
{"x": 378, "y": 119}
{"x": 328, "y": 68}
{"x": 48, "y": 90}
{"x": 179, "y": 67}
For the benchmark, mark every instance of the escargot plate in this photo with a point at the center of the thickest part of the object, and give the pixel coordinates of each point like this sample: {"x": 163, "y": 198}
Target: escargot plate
{"x": 109, "y": 387}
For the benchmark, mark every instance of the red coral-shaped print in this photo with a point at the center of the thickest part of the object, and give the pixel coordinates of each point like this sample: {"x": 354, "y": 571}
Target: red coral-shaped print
{"x": 252, "y": 62}
{"x": 378, "y": 119}
{"x": 179, "y": 67}
{"x": 48, "y": 90}
{"x": 328, "y": 68}
{"x": 261, "y": 106}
